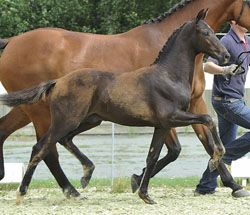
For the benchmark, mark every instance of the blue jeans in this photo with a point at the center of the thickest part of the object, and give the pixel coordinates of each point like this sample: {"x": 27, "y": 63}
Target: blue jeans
{"x": 230, "y": 116}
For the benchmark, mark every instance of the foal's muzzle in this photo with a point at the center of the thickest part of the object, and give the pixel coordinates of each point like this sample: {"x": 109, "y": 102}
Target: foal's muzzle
{"x": 224, "y": 58}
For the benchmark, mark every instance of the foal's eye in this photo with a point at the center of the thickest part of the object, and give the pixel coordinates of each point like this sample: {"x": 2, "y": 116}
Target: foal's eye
{"x": 206, "y": 33}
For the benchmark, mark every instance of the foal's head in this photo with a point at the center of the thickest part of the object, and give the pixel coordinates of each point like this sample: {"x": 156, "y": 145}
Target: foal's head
{"x": 205, "y": 41}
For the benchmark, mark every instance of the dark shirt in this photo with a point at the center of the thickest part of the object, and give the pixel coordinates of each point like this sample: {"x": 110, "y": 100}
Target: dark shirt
{"x": 236, "y": 87}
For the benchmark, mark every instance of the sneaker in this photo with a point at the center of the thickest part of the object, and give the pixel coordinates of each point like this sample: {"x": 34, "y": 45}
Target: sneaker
{"x": 202, "y": 193}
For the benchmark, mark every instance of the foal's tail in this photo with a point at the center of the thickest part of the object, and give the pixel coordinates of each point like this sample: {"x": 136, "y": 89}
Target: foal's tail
{"x": 27, "y": 96}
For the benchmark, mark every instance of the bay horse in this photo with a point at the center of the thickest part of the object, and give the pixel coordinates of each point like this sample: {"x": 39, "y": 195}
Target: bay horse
{"x": 49, "y": 53}
{"x": 158, "y": 96}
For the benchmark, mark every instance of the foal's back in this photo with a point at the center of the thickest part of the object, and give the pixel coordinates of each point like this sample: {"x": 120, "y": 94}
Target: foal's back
{"x": 121, "y": 98}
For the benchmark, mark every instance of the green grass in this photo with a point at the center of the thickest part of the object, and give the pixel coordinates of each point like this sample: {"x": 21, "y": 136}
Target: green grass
{"x": 120, "y": 184}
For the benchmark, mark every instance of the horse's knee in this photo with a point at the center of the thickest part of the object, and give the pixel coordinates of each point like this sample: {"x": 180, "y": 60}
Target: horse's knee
{"x": 36, "y": 148}
{"x": 208, "y": 121}
{"x": 174, "y": 153}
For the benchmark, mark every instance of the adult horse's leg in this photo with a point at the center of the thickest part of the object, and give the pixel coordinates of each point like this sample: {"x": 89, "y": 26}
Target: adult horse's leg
{"x": 153, "y": 155}
{"x": 174, "y": 148}
{"x": 9, "y": 123}
{"x": 198, "y": 106}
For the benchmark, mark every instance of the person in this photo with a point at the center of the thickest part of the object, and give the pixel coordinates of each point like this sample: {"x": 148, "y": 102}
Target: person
{"x": 228, "y": 103}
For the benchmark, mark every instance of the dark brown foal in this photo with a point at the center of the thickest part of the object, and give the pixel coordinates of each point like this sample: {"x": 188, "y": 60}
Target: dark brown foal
{"x": 63, "y": 51}
{"x": 157, "y": 96}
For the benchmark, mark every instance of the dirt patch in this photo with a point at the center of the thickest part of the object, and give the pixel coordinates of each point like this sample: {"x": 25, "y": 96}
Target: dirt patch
{"x": 170, "y": 201}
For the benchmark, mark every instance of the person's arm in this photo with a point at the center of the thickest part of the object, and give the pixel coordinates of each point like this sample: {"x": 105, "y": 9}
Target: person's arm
{"x": 212, "y": 68}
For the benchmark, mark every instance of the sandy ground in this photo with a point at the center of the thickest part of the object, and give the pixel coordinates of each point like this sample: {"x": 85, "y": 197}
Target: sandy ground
{"x": 170, "y": 201}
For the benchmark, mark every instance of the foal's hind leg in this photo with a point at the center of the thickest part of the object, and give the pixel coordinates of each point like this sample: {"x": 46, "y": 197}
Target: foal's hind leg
{"x": 88, "y": 166}
{"x": 51, "y": 160}
{"x": 40, "y": 151}
{"x": 174, "y": 148}
{"x": 9, "y": 123}
{"x": 41, "y": 126}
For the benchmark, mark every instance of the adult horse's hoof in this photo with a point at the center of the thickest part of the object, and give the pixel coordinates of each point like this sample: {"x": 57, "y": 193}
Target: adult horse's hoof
{"x": 135, "y": 182}
{"x": 71, "y": 192}
{"x": 146, "y": 198}
{"x": 240, "y": 193}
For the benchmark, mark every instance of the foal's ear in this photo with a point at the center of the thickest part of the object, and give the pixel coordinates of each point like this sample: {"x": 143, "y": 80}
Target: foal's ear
{"x": 201, "y": 15}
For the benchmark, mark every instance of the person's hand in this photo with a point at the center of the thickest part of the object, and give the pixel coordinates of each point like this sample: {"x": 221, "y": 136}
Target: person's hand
{"x": 230, "y": 70}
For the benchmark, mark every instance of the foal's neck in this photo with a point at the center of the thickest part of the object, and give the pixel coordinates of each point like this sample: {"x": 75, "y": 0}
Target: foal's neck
{"x": 179, "y": 64}
{"x": 177, "y": 58}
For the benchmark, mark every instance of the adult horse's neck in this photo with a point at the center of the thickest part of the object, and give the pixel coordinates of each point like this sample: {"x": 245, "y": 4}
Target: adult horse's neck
{"x": 177, "y": 57}
{"x": 156, "y": 32}
{"x": 219, "y": 12}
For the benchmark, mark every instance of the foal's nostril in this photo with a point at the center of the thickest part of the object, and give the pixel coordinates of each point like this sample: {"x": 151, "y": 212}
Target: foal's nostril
{"x": 227, "y": 56}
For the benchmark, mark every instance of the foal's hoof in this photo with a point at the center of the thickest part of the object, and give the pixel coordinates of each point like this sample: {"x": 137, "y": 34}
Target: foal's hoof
{"x": 71, "y": 192}
{"x": 80, "y": 198}
{"x": 240, "y": 193}
{"x": 21, "y": 191}
{"x": 1, "y": 174}
{"x": 135, "y": 182}
{"x": 84, "y": 182}
{"x": 88, "y": 171}
{"x": 19, "y": 198}
{"x": 146, "y": 198}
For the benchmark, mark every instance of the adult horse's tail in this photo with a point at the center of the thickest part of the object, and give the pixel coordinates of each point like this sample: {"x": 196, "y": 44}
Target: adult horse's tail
{"x": 27, "y": 96}
{"x": 4, "y": 43}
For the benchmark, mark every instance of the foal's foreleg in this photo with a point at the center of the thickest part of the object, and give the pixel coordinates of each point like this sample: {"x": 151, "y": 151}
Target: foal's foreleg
{"x": 198, "y": 106}
{"x": 153, "y": 155}
{"x": 181, "y": 118}
{"x": 174, "y": 148}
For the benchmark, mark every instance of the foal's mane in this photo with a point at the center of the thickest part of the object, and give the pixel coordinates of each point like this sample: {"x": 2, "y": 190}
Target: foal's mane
{"x": 170, "y": 42}
{"x": 174, "y": 9}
